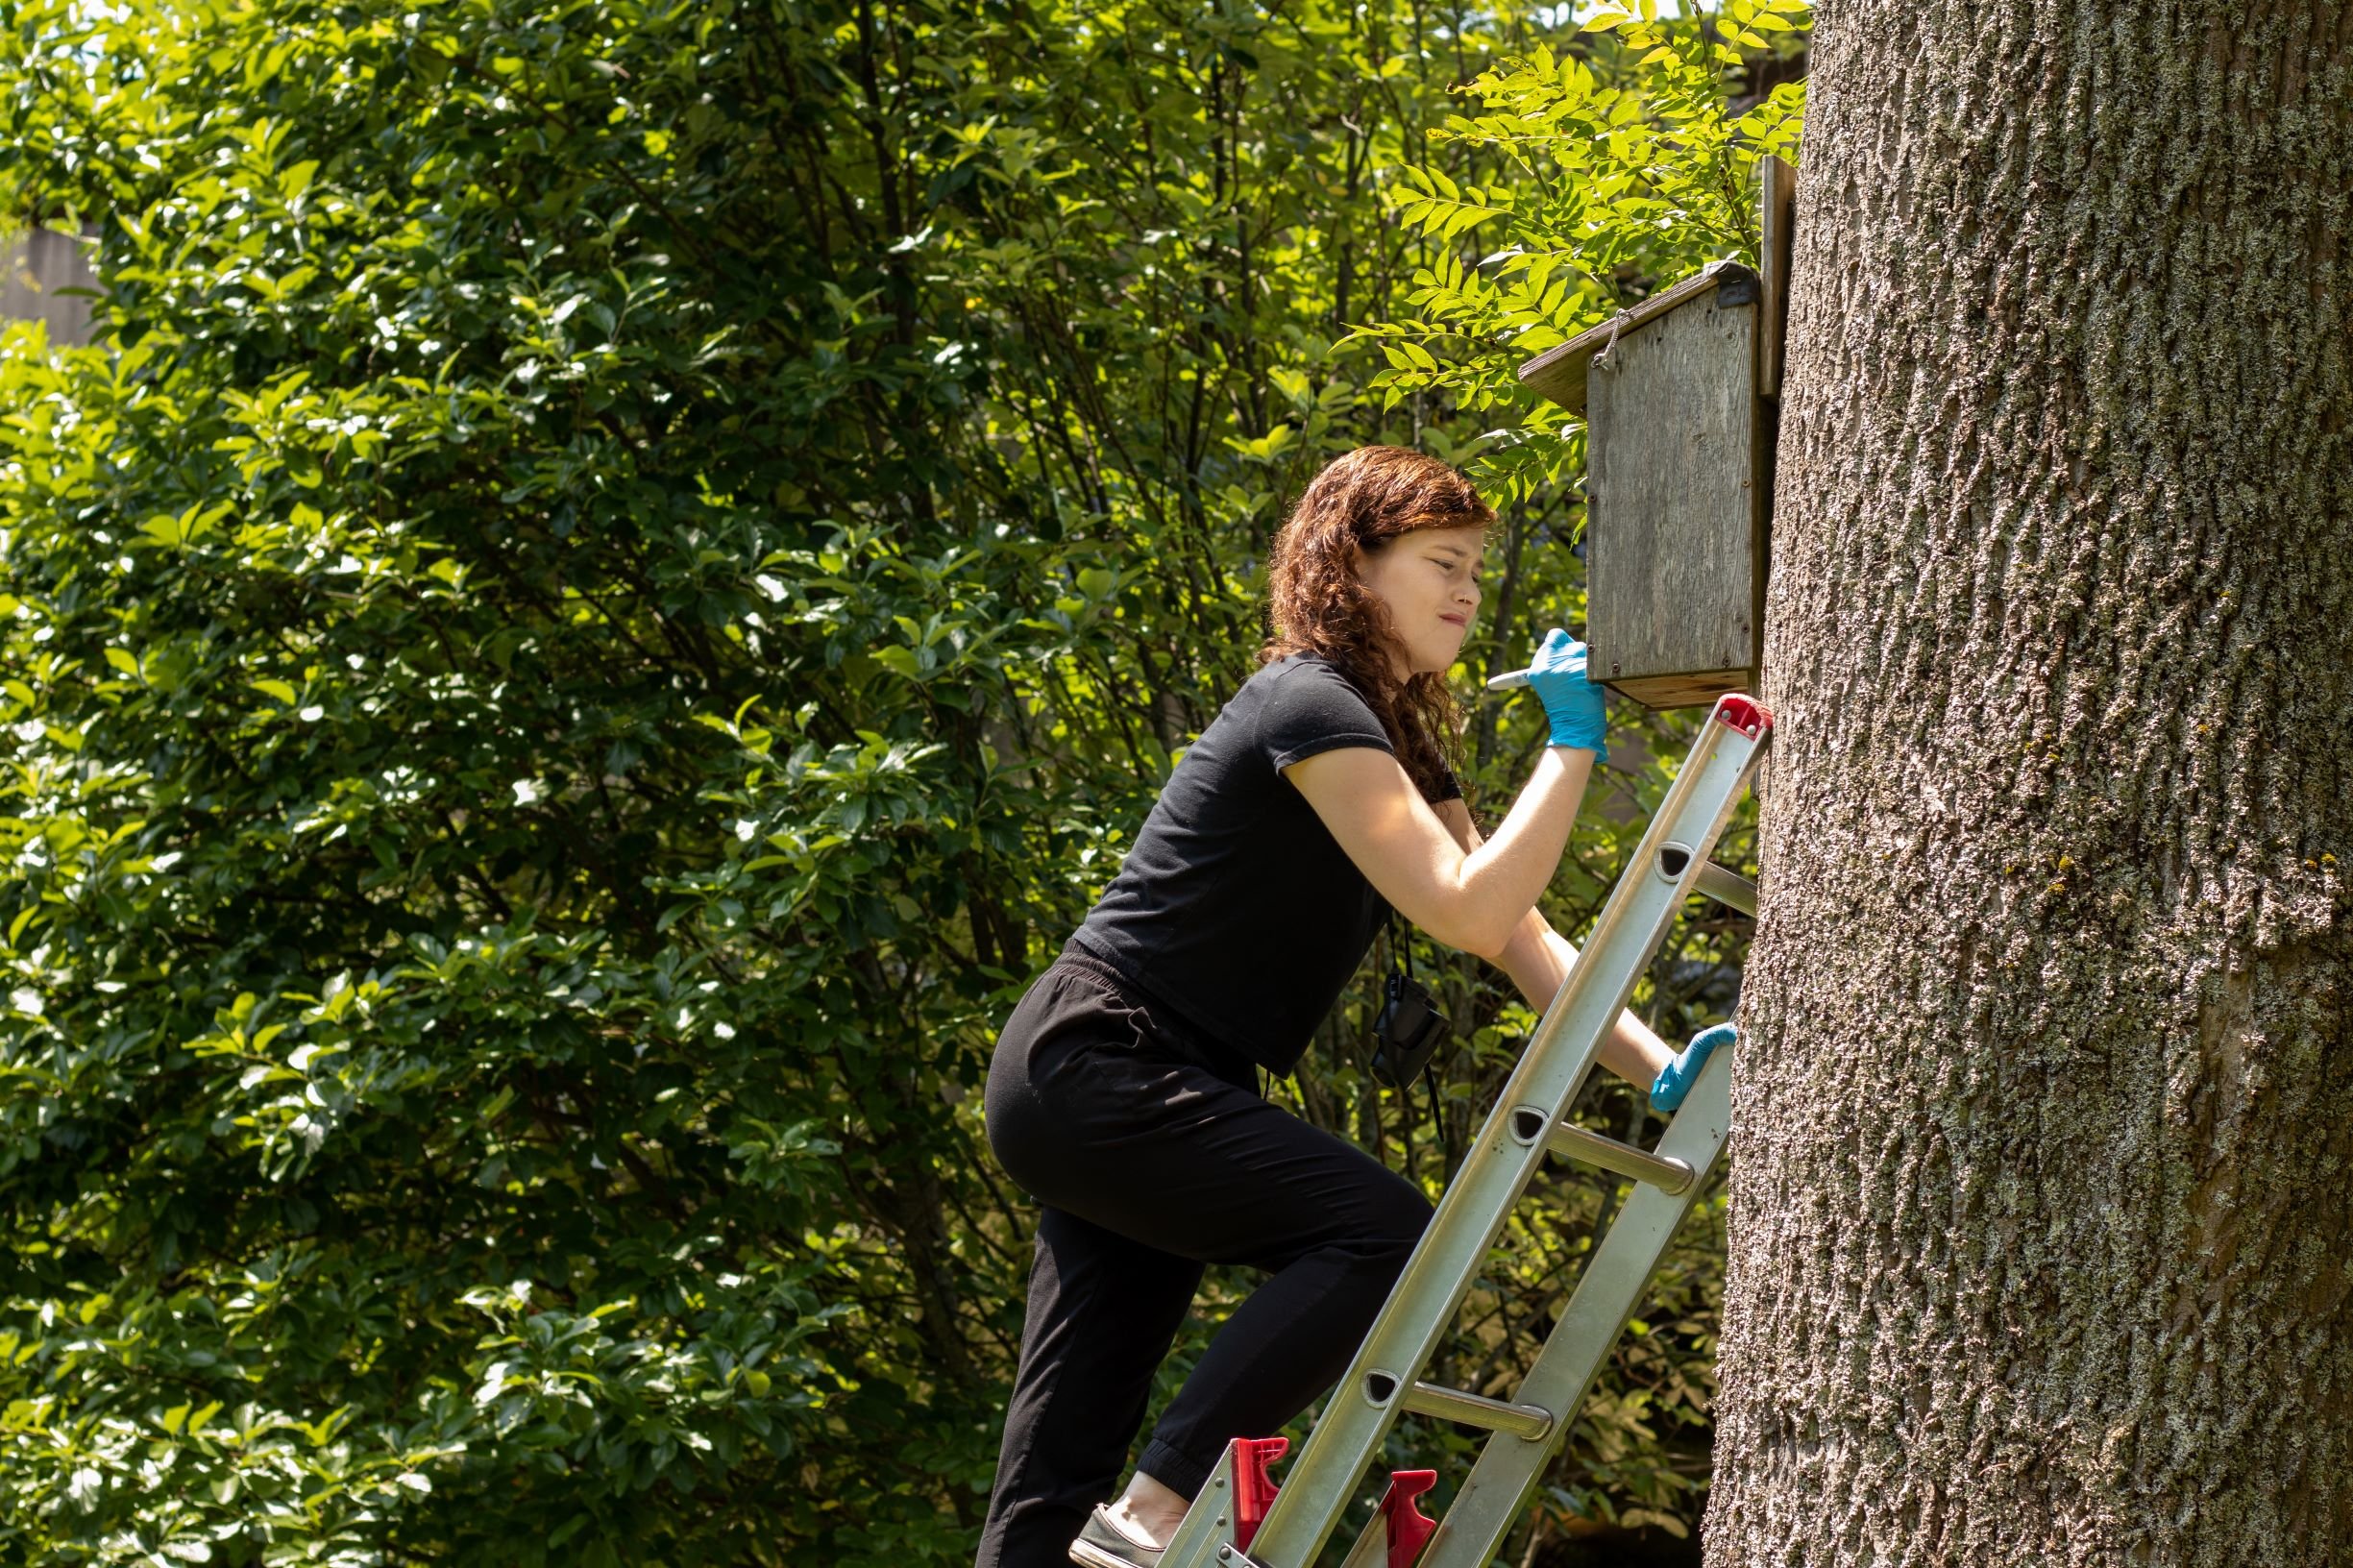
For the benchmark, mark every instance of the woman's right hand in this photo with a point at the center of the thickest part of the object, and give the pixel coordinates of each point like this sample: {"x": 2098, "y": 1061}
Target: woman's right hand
{"x": 1572, "y": 701}
{"x": 1476, "y": 899}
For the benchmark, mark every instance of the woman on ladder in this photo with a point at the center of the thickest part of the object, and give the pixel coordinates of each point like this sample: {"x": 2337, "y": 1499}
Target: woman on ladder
{"x": 1124, "y": 1092}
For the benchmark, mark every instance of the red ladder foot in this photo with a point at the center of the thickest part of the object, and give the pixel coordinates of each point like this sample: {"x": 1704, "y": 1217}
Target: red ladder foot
{"x": 1407, "y": 1527}
{"x": 1254, "y": 1490}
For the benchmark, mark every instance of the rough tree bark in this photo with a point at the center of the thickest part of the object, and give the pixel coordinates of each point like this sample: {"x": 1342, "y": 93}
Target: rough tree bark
{"x": 2042, "y": 1215}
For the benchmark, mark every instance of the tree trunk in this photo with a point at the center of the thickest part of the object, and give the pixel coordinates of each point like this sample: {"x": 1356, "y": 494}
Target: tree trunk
{"x": 2041, "y": 1198}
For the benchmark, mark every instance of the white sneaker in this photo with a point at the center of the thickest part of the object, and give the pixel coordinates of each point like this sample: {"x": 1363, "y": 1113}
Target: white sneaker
{"x": 1103, "y": 1544}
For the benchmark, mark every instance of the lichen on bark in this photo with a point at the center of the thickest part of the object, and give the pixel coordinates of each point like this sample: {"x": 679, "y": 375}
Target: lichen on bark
{"x": 2042, "y": 1232}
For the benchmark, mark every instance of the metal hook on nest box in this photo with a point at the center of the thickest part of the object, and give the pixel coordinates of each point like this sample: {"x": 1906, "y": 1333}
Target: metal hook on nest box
{"x": 1603, "y": 360}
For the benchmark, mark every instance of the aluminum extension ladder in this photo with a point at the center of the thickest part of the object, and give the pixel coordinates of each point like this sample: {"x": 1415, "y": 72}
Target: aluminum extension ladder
{"x": 1241, "y": 1519}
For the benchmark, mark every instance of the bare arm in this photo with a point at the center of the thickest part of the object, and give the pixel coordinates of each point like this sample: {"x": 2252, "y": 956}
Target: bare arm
{"x": 1537, "y": 958}
{"x": 1474, "y": 899}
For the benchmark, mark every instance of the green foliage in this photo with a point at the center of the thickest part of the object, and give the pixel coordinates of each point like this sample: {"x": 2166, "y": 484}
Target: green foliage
{"x": 1620, "y": 165}
{"x": 620, "y": 580}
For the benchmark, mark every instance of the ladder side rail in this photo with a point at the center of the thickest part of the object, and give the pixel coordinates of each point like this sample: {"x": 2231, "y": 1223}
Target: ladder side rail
{"x": 1206, "y": 1535}
{"x": 1225, "y": 1516}
{"x": 1508, "y": 1471}
{"x": 1472, "y": 1213}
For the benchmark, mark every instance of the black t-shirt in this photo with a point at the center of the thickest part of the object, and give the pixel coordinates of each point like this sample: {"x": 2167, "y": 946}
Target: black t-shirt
{"x": 1236, "y": 906}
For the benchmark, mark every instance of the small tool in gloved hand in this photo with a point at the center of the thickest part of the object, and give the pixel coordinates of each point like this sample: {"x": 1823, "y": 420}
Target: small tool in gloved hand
{"x": 1573, "y": 701}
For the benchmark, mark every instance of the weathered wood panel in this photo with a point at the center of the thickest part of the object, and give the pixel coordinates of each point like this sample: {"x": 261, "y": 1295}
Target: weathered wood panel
{"x": 34, "y": 266}
{"x": 1675, "y": 529}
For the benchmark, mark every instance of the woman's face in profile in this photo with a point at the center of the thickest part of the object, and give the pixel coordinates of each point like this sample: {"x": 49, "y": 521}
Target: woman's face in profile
{"x": 1429, "y": 578}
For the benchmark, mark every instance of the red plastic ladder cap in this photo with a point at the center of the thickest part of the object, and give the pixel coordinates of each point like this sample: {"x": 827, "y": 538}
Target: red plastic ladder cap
{"x": 1744, "y": 714}
{"x": 1254, "y": 1490}
{"x": 1408, "y": 1528}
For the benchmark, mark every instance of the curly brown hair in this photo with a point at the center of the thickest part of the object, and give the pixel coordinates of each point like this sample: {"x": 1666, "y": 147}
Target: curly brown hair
{"x": 1316, "y": 603}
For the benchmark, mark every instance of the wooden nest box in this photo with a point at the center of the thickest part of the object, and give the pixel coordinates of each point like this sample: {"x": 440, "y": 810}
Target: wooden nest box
{"x": 1680, "y": 399}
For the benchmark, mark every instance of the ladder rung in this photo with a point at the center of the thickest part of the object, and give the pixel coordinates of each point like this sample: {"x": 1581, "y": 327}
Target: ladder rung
{"x": 1528, "y": 1421}
{"x": 1729, "y": 889}
{"x": 1669, "y": 1175}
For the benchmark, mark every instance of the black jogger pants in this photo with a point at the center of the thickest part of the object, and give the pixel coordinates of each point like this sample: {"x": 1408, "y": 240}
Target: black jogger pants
{"x": 1152, "y": 1155}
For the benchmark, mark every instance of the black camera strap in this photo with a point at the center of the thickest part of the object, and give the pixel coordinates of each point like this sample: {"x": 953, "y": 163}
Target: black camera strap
{"x": 1402, "y": 983}
{"x": 1401, "y": 951}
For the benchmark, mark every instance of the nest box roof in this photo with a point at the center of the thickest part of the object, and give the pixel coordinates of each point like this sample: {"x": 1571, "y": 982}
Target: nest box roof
{"x": 1559, "y": 374}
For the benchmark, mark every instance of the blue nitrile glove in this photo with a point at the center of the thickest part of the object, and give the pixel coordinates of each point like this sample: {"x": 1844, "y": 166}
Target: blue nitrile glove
{"x": 1676, "y": 1078}
{"x": 1571, "y": 702}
